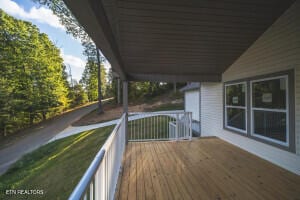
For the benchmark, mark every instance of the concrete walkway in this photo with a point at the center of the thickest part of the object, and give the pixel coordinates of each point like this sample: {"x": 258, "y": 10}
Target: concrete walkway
{"x": 73, "y": 130}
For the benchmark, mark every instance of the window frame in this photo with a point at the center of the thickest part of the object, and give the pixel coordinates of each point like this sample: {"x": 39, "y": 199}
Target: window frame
{"x": 244, "y": 132}
{"x": 286, "y": 110}
{"x": 290, "y": 107}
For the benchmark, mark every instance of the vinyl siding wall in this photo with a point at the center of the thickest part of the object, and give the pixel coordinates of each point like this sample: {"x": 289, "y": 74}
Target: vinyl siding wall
{"x": 278, "y": 49}
{"x": 191, "y": 99}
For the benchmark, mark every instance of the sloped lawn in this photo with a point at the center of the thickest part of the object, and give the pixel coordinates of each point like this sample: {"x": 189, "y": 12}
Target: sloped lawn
{"x": 54, "y": 168}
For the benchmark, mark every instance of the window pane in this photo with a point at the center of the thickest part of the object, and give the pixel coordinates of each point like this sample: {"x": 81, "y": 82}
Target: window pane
{"x": 269, "y": 94}
{"x": 236, "y": 118}
{"x": 270, "y": 124}
{"x": 235, "y": 95}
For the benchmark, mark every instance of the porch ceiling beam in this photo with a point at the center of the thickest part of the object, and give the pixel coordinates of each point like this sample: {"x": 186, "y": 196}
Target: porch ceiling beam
{"x": 174, "y": 78}
{"x": 91, "y": 15}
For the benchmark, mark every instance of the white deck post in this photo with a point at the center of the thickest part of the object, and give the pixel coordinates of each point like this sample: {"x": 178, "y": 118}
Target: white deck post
{"x": 177, "y": 126}
{"x": 190, "y": 125}
{"x": 125, "y": 107}
{"x": 119, "y": 91}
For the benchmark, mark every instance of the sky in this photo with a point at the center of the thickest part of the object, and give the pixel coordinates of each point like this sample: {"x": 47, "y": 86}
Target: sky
{"x": 47, "y": 22}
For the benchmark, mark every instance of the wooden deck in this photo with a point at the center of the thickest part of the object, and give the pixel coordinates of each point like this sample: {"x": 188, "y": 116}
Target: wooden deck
{"x": 201, "y": 169}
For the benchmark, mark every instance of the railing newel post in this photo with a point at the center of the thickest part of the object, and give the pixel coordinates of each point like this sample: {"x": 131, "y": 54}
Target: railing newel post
{"x": 177, "y": 126}
{"x": 190, "y": 127}
{"x": 125, "y": 107}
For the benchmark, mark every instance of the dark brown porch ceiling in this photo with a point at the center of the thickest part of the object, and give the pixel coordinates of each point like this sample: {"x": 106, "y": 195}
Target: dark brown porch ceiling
{"x": 175, "y": 40}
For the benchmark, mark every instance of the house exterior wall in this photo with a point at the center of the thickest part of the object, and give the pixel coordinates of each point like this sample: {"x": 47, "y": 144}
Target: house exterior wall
{"x": 278, "y": 49}
{"x": 191, "y": 103}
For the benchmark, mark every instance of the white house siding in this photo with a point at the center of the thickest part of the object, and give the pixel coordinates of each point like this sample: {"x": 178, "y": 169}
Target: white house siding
{"x": 191, "y": 99}
{"x": 211, "y": 109}
{"x": 278, "y": 49}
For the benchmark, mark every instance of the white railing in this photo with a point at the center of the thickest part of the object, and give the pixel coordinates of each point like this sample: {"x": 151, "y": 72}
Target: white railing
{"x": 160, "y": 126}
{"x": 100, "y": 179}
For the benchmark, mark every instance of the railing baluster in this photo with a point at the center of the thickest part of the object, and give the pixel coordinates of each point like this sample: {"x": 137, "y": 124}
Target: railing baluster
{"x": 97, "y": 185}
{"x": 164, "y": 126}
{"x": 147, "y": 128}
{"x": 168, "y": 127}
{"x": 143, "y": 126}
{"x": 152, "y": 127}
{"x": 157, "y": 127}
{"x": 160, "y": 128}
{"x": 92, "y": 191}
{"x": 190, "y": 125}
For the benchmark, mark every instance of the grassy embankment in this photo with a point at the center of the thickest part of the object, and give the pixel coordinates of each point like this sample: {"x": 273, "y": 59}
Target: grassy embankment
{"x": 167, "y": 101}
{"x": 55, "y": 168}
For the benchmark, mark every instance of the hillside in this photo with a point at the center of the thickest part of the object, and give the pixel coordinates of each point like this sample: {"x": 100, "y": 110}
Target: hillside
{"x": 167, "y": 101}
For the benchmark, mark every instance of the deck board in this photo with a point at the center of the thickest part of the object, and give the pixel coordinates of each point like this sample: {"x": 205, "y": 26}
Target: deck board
{"x": 164, "y": 167}
{"x": 147, "y": 175}
{"x": 207, "y": 168}
{"x": 132, "y": 192}
{"x": 140, "y": 173}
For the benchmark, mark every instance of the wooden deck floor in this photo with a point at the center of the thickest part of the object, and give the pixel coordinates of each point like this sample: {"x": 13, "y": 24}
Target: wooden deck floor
{"x": 201, "y": 169}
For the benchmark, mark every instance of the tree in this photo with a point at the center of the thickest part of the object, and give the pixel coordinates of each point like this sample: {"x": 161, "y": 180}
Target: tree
{"x": 31, "y": 75}
{"x": 112, "y": 86}
{"x": 94, "y": 66}
{"x": 89, "y": 80}
{"x": 77, "y": 31}
{"x": 78, "y": 94}
{"x": 100, "y": 108}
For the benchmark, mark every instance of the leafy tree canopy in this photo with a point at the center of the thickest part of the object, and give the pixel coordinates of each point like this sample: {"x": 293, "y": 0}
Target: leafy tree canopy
{"x": 32, "y": 85}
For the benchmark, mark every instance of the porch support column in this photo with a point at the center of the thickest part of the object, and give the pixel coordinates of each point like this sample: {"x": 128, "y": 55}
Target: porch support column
{"x": 119, "y": 91}
{"x": 125, "y": 108}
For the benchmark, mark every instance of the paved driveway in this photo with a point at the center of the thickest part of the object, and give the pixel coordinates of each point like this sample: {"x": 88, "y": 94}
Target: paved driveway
{"x": 35, "y": 137}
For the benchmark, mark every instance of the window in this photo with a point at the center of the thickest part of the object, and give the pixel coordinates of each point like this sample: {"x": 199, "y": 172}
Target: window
{"x": 262, "y": 108}
{"x": 235, "y": 107}
{"x": 269, "y": 109}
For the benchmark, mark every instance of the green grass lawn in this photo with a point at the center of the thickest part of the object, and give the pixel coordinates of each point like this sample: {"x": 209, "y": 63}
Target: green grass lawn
{"x": 55, "y": 168}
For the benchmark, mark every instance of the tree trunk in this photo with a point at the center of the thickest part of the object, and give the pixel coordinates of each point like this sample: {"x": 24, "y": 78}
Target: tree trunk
{"x": 5, "y": 131}
{"x": 44, "y": 116}
{"x": 100, "y": 108}
{"x": 31, "y": 118}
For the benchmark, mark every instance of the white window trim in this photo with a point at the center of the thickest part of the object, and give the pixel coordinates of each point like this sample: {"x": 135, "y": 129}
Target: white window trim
{"x": 238, "y": 107}
{"x": 286, "y": 110}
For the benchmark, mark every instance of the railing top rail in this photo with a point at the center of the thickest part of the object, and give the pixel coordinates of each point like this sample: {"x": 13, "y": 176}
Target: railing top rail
{"x": 160, "y": 112}
{"x": 87, "y": 178}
